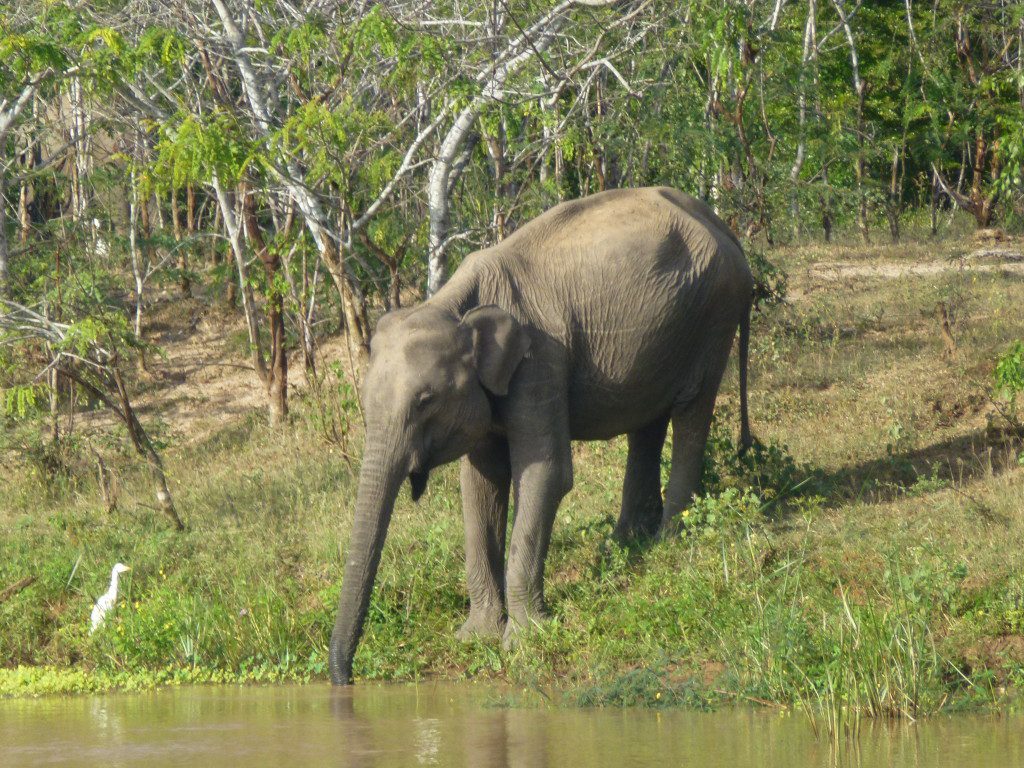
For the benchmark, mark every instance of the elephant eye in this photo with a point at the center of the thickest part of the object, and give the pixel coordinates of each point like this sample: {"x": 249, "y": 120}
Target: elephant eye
{"x": 424, "y": 398}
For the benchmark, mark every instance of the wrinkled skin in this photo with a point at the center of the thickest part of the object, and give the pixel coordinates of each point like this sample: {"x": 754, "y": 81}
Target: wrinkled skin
{"x": 610, "y": 315}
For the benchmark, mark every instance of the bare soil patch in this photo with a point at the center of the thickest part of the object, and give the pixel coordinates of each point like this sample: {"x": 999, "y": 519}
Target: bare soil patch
{"x": 982, "y": 260}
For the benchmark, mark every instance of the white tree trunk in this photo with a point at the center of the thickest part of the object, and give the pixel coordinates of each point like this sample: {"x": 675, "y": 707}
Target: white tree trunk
{"x": 801, "y": 147}
{"x": 80, "y": 140}
{"x": 234, "y": 230}
{"x": 532, "y": 42}
{"x": 4, "y": 253}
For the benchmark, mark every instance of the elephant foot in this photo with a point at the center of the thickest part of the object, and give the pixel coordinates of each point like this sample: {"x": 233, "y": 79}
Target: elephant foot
{"x": 671, "y": 527}
{"x": 484, "y": 627}
{"x": 628, "y": 533}
{"x": 637, "y": 524}
{"x": 516, "y": 628}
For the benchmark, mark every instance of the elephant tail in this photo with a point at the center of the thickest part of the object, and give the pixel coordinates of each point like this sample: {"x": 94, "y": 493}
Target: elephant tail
{"x": 746, "y": 440}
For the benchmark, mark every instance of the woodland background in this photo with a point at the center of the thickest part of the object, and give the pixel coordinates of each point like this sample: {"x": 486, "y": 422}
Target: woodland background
{"x": 314, "y": 162}
{"x": 204, "y": 206}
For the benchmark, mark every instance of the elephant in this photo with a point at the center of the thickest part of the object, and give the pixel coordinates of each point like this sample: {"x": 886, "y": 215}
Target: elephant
{"x": 608, "y": 315}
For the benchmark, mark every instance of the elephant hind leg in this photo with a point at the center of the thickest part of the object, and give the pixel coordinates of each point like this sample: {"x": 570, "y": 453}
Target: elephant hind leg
{"x": 641, "y": 512}
{"x": 690, "y": 427}
{"x": 486, "y": 479}
{"x": 691, "y": 423}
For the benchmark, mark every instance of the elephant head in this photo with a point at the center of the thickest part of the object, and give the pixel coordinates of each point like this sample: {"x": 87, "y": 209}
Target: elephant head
{"x": 427, "y": 400}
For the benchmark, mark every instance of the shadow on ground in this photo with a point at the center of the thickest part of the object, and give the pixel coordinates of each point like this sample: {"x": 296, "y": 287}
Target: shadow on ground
{"x": 984, "y": 452}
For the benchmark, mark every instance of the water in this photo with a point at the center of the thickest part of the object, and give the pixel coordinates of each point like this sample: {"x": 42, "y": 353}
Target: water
{"x": 452, "y": 725}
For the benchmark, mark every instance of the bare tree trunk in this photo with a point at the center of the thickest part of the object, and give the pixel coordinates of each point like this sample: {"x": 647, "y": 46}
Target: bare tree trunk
{"x": 53, "y": 395}
{"x": 213, "y": 254}
{"x": 895, "y": 195}
{"x": 981, "y": 204}
{"x": 826, "y": 206}
{"x": 353, "y": 306}
{"x": 227, "y": 212}
{"x": 4, "y": 249}
{"x": 104, "y": 478}
{"x": 135, "y": 251}
{"x": 304, "y": 314}
{"x": 810, "y": 43}
{"x": 183, "y": 282}
{"x": 32, "y": 158}
{"x": 532, "y": 42}
{"x": 313, "y": 214}
{"x": 144, "y": 446}
{"x": 496, "y": 150}
{"x": 9, "y": 112}
{"x": 78, "y": 131}
{"x": 275, "y": 378}
{"x": 860, "y": 90}
{"x": 977, "y": 202}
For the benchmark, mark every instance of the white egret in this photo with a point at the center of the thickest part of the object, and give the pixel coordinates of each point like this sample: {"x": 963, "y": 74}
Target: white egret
{"x": 107, "y": 599}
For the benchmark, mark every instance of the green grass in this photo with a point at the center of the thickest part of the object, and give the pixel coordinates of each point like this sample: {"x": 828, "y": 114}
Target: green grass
{"x": 865, "y": 562}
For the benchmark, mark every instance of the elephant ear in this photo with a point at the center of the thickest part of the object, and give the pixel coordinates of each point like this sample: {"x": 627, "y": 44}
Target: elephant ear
{"x": 499, "y": 344}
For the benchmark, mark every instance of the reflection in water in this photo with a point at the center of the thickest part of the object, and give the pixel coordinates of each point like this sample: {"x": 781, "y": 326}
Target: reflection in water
{"x": 450, "y": 725}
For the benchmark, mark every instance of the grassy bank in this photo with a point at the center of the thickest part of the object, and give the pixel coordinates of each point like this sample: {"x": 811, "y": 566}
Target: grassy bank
{"x": 867, "y": 557}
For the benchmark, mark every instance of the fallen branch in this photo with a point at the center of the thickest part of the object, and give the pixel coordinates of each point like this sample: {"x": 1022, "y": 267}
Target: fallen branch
{"x": 14, "y": 589}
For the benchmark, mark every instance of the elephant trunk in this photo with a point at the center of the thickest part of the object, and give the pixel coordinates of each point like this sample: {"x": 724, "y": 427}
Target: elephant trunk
{"x": 379, "y": 480}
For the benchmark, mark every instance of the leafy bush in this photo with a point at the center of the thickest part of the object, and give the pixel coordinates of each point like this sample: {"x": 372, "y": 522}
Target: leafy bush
{"x": 1009, "y": 383}
{"x": 1009, "y": 373}
{"x": 767, "y": 470}
{"x": 333, "y": 407}
{"x": 770, "y": 280}
{"x": 713, "y": 513}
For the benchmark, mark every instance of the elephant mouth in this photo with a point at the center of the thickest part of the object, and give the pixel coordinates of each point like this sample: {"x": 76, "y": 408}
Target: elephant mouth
{"x": 418, "y": 482}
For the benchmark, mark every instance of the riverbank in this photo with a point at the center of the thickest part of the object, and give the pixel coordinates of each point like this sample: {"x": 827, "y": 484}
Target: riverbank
{"x": 866, "y": 557}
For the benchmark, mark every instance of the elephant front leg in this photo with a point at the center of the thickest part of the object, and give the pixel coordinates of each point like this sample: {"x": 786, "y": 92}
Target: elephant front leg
{"x": 540, "y": 487}
{"x": 486, "y": 477}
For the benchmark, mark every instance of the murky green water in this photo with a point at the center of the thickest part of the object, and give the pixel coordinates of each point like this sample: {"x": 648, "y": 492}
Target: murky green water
{"x": 452, "y": 725}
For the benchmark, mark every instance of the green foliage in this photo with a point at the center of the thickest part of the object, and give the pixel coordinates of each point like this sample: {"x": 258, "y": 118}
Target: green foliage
{"x": 647, "y": 687}
{"x": 334, "y": 408}
{"x": 21, "y": 400}
{"x": 26, "y": 53}
{"x": 375, "y": 30}
{"x": 770, "y": 280}
{"x": 192, "y": 150}
{"x": 768, "y": 472}
{"x": 1009, "y": 372}
{"x": 724, "y": 513}
{"x": 161, "y": 45}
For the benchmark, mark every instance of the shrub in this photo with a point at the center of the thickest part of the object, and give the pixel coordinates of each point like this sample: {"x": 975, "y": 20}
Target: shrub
{"x": 770, "y": 281}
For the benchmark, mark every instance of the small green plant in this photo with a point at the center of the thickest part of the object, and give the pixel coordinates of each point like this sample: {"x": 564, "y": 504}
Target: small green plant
{"x": 767, "y": 470}
{"x": 710, "y": 514}
{"x": 20, "y": 401}
{"x": 1008, "y": 384}
{"x": 1009, "y": 373}
{"x": 770, "y": 280}
{"x": 334, "y": 407}
{"x": 925, "y": 484}
{"x": 645, "y": 688}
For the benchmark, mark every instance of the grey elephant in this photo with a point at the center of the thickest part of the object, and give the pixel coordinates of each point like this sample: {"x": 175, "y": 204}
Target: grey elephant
{"x": 613, "y": 314}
